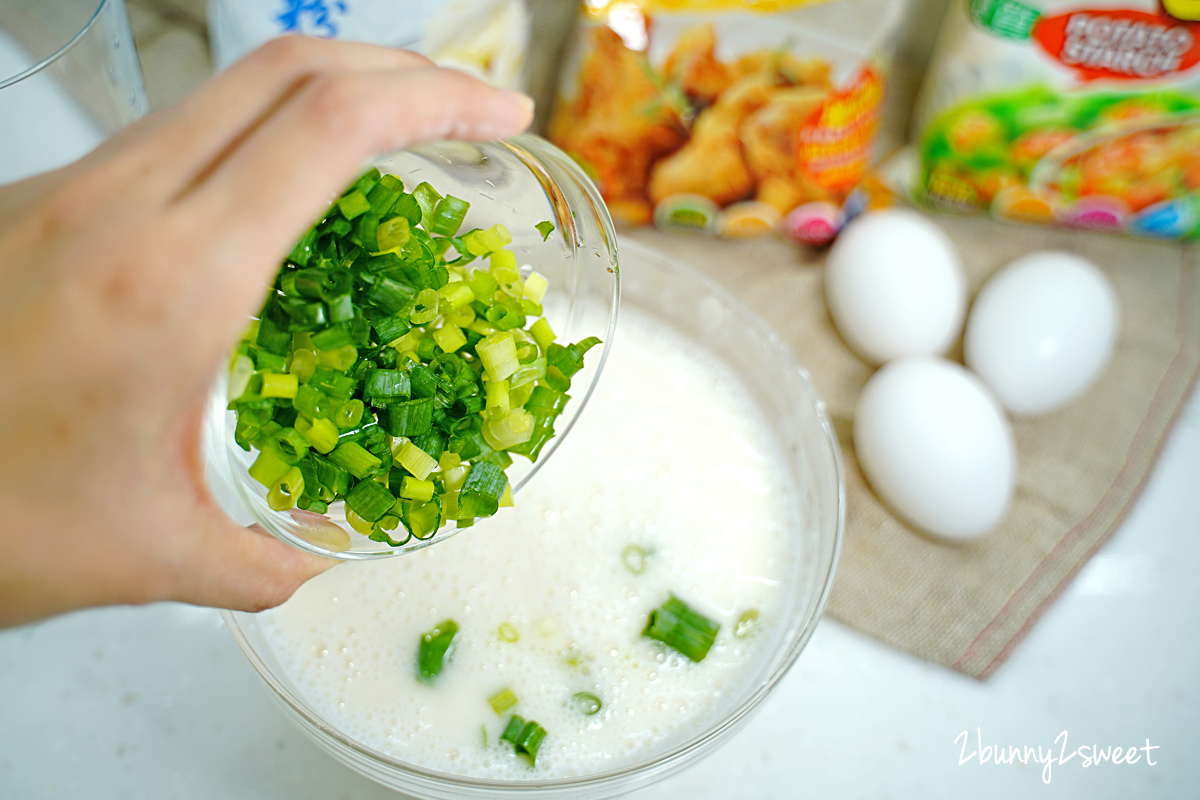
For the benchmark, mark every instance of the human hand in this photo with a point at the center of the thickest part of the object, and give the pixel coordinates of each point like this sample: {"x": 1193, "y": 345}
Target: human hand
{"x": 125, "y": 279}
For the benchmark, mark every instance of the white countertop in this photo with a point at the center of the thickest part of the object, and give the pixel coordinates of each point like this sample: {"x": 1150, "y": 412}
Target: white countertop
{"x": 158, "y": 702}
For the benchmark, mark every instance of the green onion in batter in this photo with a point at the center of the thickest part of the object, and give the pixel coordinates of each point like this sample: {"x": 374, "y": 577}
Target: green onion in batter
{"x": 435, "y": 650}
{"x": 681, "y": 628}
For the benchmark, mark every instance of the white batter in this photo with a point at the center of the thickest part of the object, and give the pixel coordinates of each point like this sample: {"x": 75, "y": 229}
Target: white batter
{"x": 671, "y": 455}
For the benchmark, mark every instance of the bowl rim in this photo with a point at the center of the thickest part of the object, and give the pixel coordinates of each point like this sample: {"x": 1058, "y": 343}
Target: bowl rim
{"x": 664, "y": 763}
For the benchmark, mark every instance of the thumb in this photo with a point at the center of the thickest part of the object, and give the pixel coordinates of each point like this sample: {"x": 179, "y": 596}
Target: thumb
{"x": 246, "y": 569}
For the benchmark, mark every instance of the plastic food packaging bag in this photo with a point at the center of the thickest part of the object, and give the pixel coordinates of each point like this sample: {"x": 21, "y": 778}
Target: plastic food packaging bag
{"x": 736, "y": 117}
{"x": 487, "y": 38}
{"x": 1077, "y": 112}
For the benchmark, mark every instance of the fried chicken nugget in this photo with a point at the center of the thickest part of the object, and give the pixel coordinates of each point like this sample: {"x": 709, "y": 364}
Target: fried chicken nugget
{"x": 618, "y": 124}
{"x": 786, "y": 67}
{"x": 769, "y": 139}
{"x": 693, "y": 64}
{"x": 711, "y": 163}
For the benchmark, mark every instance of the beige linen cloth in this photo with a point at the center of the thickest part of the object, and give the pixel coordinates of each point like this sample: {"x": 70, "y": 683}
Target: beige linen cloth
{"x": 1080, "y": 469}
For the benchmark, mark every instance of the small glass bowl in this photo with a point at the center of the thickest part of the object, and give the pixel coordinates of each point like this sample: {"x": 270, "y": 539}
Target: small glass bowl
{"x": 517, "y": 183}
{"x": 709, "y": 316}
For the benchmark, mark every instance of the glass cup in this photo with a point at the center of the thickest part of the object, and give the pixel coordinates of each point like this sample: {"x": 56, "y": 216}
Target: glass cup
{"x": 517, "y": 183}
{"x": 707, "y": 316}
{"x": 69, "y": 77}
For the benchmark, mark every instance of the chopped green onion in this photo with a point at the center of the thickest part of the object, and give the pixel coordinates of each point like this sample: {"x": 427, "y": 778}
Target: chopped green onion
{"x": 427, "y": 198}
{"x": 449, "y": 337}
{"x": 586, "y": 703}
{"x": 386, "y": 383}
{"x": 498, "y": 353}
{"x": 507, "y": 632}
{"x": 454, "y": 296}
{"x": 392, "y": 233}
{"x": 502, "y": 700}
{"x": 480, "y": 493}
{"x": 304, "y": 363}
{"x": 543, "y": 334}
{"x": 536, "y": 286}
{"x": 353, "y": 205}
{"x": 497, "y": 400}
{"x": 240, "y": 371}
{"x": 480, "y": 243}
{"x": 355, "y": 459}
{"x": 416, "y": 489}
{"x": 426, "y": 308}
{"x": 525, "y": 736}
{"x": 379, "y": 357}
{"x": 339, "y": 358}
{"x": 633, "y": 558}
{"x": 682, "y": 629}
{"x": 747, "y": 623}
{"x": 348, "y": 414}
{"x": 286, "y": 490}
{"x": 448, "y": 216}
{"x": 435, "y": 650}
{"x": 289, "y": 445}
{"x": 408, "y": 417}
{"x": 268, "y": 468}
{"x": 321, "y": 434}
{"x": 416, "y": 461}
{"x": 515, "y": 427}
{"x": 370, "y": 500}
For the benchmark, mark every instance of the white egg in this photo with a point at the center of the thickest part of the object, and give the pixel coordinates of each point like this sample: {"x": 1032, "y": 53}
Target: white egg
{"x": 895, "y": 286}
{"x": 936, "y": 447}
{"x": 1042, "y": 331}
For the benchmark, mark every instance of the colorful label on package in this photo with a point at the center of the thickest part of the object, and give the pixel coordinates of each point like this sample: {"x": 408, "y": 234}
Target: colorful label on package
{"x": 1112, "y": 43}
{"x": 1108, "y": 139}
{"x": 1119, "y": 44}
{"x": 835, "y": 146}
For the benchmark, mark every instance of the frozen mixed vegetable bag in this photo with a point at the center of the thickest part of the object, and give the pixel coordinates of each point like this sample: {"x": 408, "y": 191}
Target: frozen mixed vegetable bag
{"x": 1077, "y": 112}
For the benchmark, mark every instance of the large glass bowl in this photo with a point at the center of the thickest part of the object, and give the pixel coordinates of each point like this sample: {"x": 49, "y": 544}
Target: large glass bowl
{"x": 709, "y": 316}
{"x": 517, "y": 183}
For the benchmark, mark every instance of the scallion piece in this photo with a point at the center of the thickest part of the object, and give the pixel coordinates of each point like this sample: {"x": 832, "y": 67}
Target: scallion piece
{"x": 502, "y": 700}
{"x": 633, "y": 558}
{"x": 355, "y": 459}
{"x": 747, "y": 623}
{"x": 353, "y": 205}
{"x": 285, "y": 491}
{"x": 448, "y": 216}
{"x": 435, "y": 650}
{"x": 498, "y": 353}
{"x": 682, "y": 629}
{"x": 321, "y": 434}
{"x": 525, "y": 736}
{"x": 408, "y": 417}
{"x": 586, "y": 703}
{"x": 416, "y": 460}
{"x": 480, "y": 493}
{"x": 370, "y": 500}
{"x": 416, "y": 489}
{"x": 536, "y": 286}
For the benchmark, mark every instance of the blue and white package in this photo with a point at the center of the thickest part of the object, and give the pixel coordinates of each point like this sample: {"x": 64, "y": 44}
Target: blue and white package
{"x": 487, "y": 38}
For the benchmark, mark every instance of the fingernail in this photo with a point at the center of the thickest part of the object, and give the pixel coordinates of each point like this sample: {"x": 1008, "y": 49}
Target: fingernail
{"x": 524, "y": 101}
